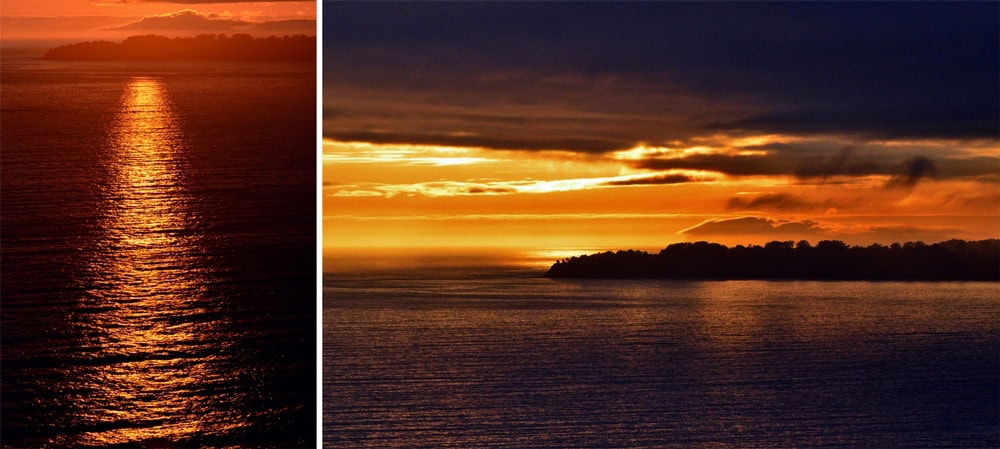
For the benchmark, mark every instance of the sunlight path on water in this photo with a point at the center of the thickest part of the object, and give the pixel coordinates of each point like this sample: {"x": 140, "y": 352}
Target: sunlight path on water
{"x": 152, "y": 332}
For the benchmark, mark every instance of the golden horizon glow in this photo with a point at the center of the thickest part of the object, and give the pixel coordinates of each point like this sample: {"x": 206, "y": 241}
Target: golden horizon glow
{"x": 76, "y": 21}
{"x": 643, "y": 151}
{"x": 417, "y": 195}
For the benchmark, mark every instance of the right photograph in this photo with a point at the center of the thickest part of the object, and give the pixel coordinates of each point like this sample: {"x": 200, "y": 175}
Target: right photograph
{"x": 661, "y": 225}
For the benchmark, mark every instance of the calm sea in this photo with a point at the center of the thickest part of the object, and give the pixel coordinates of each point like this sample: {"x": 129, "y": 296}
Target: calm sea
{"x": 469, "y": 357}
{"x": 158, "y": 241}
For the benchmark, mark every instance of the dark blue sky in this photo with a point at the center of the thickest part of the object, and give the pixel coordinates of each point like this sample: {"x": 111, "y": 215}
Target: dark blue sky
{"x": 594, "y": 77}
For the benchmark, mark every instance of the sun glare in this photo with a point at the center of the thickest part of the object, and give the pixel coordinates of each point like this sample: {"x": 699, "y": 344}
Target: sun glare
{"x": 149, "y": 258}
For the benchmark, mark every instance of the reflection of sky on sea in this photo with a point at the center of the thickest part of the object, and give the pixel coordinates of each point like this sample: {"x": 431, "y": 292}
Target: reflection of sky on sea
{"x": 152, "y": 214}
{"x": 153, "y": 335}
{"x": 465, "y": 360}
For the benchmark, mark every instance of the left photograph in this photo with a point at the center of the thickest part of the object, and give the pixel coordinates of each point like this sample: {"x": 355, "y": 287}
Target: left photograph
{"x": 158, "y": 202}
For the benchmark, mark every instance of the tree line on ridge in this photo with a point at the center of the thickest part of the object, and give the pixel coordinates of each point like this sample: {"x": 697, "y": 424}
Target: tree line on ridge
{"x": 828, "y": 260}
{"x": 198, "y": 48}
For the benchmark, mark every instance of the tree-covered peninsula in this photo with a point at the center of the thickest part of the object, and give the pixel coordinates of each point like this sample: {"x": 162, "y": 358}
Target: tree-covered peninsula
{"x": 956, "y": 260}
{"x": 205, "y": 47}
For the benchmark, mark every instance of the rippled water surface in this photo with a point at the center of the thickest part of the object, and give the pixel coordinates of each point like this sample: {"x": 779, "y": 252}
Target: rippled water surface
{"x": 158, "y": 255}
{"x": 464, "y": 358}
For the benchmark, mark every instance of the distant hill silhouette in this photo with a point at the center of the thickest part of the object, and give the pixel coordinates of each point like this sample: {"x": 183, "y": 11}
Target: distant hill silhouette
{"x": 828, "y": 260}
{"x": 242, "y": 47}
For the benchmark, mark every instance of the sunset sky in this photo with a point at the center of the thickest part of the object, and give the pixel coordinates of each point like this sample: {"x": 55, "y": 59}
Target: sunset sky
{"x": 45, "y": 22}
{"x": 641, "y": 124}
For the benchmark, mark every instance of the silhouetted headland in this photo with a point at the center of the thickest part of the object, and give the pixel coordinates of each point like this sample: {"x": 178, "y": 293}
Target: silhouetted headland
{"x": 953, "y": 260}
{"x": 238, "y": 47}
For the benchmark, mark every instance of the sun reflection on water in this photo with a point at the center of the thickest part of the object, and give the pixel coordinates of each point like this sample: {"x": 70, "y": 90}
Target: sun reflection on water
{"x": 156, "y": 339}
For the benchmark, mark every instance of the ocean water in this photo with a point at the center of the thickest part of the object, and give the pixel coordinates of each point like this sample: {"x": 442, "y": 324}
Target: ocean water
{"x": 474, "y": 357}
{"x": 158, "y": 242}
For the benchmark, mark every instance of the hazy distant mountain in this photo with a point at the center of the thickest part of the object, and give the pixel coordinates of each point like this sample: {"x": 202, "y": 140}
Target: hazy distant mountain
{"x": 202, "y": 47}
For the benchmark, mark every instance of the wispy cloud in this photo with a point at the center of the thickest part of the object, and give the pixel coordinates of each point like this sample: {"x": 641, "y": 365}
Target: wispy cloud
{"x": 782, "y": 202}
{"x": 508, "y": 217}
{"x": 402, "y": 154}
{"x": 754, "y": 226}
{"x": 815, "y": 160}
{"x": 655, "y": 180}
{"x": 507, "y": 187}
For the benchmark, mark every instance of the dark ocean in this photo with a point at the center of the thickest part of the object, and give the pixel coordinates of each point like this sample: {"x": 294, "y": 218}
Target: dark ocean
{"x": 158, "y": 242}
{"x": 499, "y": 357}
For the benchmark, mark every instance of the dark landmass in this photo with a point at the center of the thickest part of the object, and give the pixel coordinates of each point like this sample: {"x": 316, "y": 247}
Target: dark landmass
{"x": 205, "y": 47}
{"x": 953, "y": 260}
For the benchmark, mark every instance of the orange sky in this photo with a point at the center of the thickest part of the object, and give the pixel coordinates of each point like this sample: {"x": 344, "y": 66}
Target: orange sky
{"x": 405, "y": 195}
{"x": 636, "y": 125}
{"x": 76, "y": 20}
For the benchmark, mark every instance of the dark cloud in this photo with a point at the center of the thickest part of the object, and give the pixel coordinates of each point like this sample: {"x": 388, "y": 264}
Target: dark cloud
{"x": 342, "y": 112}
{"x": 588, "y": 145}
{"x": 904, "y": 174}
{"x": 811, "y": 163}
{"x": 964, "y": 122}
{"x": 653, "y": 180}
{"x": 776, "y": 201}
{"x": 914, "y": 169}
{"x": 978, "y": 167}
{"x": 496, "y": 110}
{"x": 729, "y": 164}
{"x": 663, "y": 71}
{"x": 754, "y": 225}
{"x": 490, "y": 190}
{"x": 844, "y": 162}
